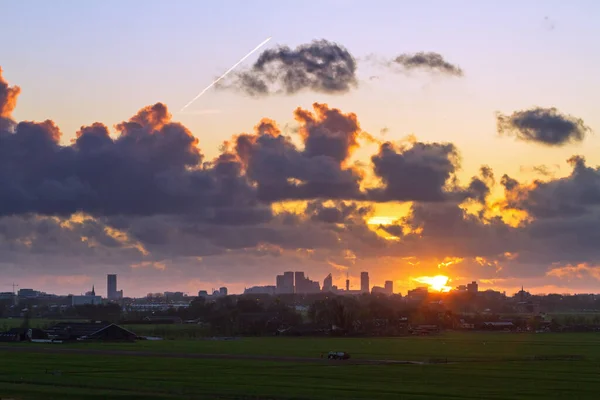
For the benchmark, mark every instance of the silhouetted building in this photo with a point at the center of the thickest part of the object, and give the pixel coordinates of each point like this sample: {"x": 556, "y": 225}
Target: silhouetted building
{"x": 261, "y": 290}
{"x": 304, "y": 285}
{"x": 111, "y": 288}
{"x": 347, "y": 285}
{"x": 364, "y": 282}
{"x": 419, "y": 293}
{"x": 389, "y": 287}
{"x": 27, "y": 293}
{"x": 472, "y": 287}
{"x": 378, "y": 290}
{"x": 328, "y": 283}
{"x": 285, "y": 283}
{"x": 223, "y": 291}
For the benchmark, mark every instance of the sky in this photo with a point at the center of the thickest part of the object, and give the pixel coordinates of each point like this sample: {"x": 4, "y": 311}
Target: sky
{"x": 398, "y": 138}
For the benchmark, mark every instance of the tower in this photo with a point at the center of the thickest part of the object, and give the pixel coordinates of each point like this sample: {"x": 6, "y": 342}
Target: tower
{"x": 111, "y": 287}
{"x": 364, "y": 282}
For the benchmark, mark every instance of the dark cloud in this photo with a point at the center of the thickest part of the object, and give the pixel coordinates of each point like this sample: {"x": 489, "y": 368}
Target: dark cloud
{"x": 480, "y": 186}
{"x": 546, "y": 126}
{"x": 571, "y": 196}
{"x": 421, "y": 172}
{"x": 153, "y": 166}
{"x": 320, "y": 66}
{"x": 427, "y": 61}
{"x": 284, "y": 172}
{"x": 338, "y": 212}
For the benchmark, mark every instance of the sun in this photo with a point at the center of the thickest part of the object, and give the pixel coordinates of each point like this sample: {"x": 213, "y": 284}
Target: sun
{"x": 437, "y": 283}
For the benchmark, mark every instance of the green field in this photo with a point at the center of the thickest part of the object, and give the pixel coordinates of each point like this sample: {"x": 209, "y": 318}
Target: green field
{"x": 480, "y": 365}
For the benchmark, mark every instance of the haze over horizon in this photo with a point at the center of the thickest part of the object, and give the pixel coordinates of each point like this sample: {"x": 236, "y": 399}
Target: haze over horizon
{"x": 384, "y": 140}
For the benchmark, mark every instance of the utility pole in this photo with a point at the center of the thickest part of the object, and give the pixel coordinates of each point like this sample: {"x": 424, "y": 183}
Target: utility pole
{"x": 13, "y": 287}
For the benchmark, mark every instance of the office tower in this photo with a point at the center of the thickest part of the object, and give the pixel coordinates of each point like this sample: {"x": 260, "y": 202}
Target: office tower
{"x": 472, "y": 287}
{"x": 364, "y": 282}
{"x": 328, "y": 283}
{"x": 111, "y": 287}
{"x": 389, "y": 287}
{"x": 299, "y": 282}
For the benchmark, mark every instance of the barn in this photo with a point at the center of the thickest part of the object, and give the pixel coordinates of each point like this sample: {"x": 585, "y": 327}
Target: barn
{"x": 100, "y": 331}
{"x": 22, "y": 334}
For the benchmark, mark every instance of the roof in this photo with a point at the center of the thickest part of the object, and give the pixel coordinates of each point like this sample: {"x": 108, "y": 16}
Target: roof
{"x": 76, "y": 329}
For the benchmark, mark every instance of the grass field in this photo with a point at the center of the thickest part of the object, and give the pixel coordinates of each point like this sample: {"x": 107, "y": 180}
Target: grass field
{"x": 481, "y": 365}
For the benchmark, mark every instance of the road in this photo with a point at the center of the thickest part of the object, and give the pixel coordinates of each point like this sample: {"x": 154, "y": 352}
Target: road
{"x": 56, "y": 349}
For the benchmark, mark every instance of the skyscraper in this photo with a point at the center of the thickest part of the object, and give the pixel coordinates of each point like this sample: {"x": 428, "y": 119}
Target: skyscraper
{"x": 111, "y": 287}
{"x": 389, "y": 287}
{"x": 328, "y": 283}
{"x": 364, "y": 282}
{"x": 299, "y": 285}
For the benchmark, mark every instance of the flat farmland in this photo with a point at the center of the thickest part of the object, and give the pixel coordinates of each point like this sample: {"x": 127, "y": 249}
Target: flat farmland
{"x": 480, "y": 365}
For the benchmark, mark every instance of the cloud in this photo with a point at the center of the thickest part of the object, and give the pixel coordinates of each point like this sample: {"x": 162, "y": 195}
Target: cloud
{"x": 338, "y": 212}
{"x": 153, "y": 166}
{"x": 574, "y": 195}
{"x": 546, "y": 126}
{"x": 284, "y": 172}
{"x": 420, "y": 172}
{"x": 430, "y": 61}
{"x": 8, "y": 101}
{"x": 320, "y": 66}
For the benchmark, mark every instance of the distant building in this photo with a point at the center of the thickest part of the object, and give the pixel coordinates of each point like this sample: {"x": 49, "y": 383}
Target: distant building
{"x": 27, "y": 293}
{"x": 419, "y": 293}
{"x": 88, "y": 298}
{"x": 285, "y": 283}
{"x": 472, "y": 287}
{"x": 461, "y": 288}
{"x": 389, "y": 287}
{"x": 378, "y": 290}
{"x": 202, "y": 293}
{"x": 304, "y": 285}
{"x": 261, "y": 290}
{"x": 223, "y": 291}
{"x": 111, "y": 288}
{"x": 364, "y": 282}
{"x": 328, "y": 284}
{"x": 91, "y": 293}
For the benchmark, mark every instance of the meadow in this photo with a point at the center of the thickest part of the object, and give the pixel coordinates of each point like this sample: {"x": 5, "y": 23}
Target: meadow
{"x": 480, "y": 365}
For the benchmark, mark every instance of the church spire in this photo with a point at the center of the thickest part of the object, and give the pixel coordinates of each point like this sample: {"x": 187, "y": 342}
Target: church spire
{"x": 93, "y": 291}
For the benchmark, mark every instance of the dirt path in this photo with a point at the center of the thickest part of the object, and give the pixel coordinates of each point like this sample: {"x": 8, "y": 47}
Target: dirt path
{"x": 104, "y": 352}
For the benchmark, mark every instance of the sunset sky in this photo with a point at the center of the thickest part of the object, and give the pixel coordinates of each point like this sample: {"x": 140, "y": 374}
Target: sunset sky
{"x": 439, "y": 138}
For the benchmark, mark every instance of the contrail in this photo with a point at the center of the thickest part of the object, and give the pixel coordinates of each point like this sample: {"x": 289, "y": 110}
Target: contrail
{"x": 225, "y": 74}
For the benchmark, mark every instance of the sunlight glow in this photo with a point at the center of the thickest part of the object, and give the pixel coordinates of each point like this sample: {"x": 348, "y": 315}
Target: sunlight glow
{"x": 437, "y": 283}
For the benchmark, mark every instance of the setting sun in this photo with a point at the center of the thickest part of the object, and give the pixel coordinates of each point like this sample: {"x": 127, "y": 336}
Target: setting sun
{"x": 437, "y": 283}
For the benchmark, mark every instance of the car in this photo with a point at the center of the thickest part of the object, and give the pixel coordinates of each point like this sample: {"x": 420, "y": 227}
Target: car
{"x": 338, "y": 355}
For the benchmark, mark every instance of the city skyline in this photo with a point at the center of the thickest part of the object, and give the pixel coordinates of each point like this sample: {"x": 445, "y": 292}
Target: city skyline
{"x": 467, "y": 152}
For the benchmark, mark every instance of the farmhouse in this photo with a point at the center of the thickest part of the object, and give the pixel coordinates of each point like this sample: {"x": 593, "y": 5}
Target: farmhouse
{"x": 102, "y": 331}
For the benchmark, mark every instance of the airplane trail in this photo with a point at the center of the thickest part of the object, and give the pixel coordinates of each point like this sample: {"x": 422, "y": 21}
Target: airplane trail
{"x": 225, "y": 74}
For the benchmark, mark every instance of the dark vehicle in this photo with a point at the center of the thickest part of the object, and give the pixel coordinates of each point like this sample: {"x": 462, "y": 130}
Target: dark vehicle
{"x": 338, "y": 355}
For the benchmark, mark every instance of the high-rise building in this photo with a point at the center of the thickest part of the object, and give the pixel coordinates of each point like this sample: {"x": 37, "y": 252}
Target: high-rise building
{"x": 364, "y": 282}
{"x": 111, "y": 287}
{"x": 389, "y": 287}
{"x": 298, "y": 282}
{"x": 328, "y": 283}
{"x": 223, "y": 291}
{"x": 285, "y": 283}
{"x": 472, "y": 287}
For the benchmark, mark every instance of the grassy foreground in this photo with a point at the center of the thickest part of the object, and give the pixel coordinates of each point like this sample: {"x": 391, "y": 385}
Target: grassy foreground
{"x": 490, "y": 366}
